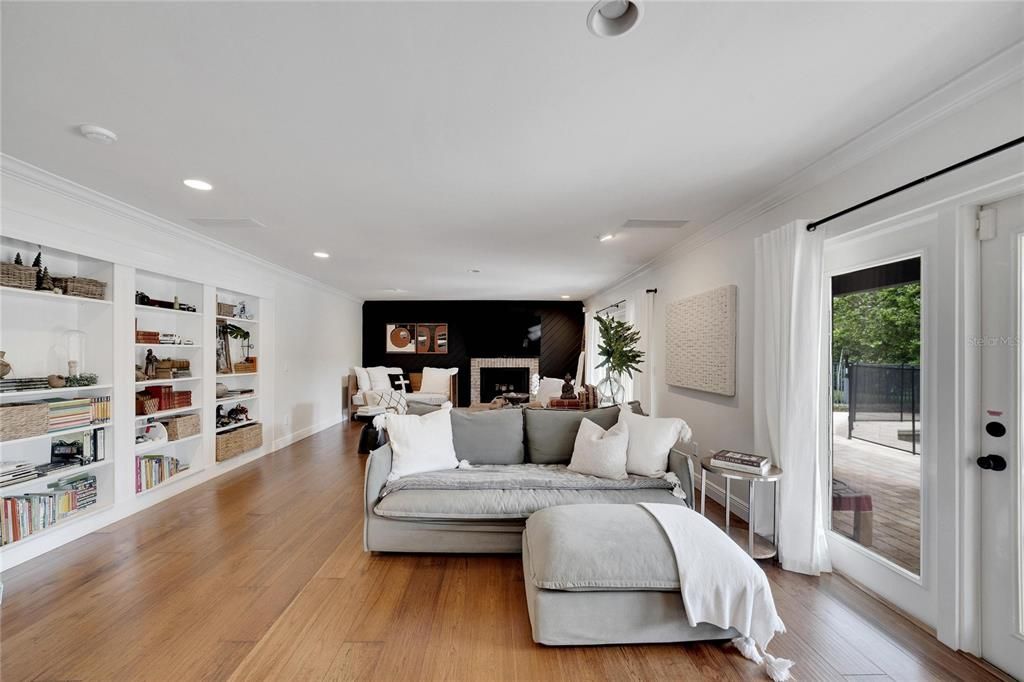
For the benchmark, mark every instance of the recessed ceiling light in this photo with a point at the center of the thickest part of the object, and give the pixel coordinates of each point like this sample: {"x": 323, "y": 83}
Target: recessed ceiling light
{"x": 474, "y": 271}
{"x": 606, "y": 237}
{"x": 565, "y": 295}
{"x": 201, "y": 185}
{"x": 321, "y": 254}
{"x": 97, "y": 134}
{"x": 613, "y": 18}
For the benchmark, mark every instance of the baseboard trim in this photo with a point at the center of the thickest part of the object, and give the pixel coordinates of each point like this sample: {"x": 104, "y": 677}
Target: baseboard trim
{"x": 717, "y": 493}
{"x": 295, "y": 436}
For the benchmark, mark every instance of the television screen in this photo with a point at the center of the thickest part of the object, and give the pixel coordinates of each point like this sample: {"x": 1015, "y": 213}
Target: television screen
{"x": 505, "y": 333}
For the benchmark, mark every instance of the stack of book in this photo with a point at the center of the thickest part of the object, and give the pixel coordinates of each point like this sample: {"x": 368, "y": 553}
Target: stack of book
{"x": 12, "y": 473}
{"x": 100, "y": 409}
{"x": 142, "y": 336}
{"x": 29, "y": 384}
{"x": 152, "y": 470}
{"x": 740, "y": 461}
{"x": 22, "y": 515}
{"x": 66, "y": 414}
{"x": 168, "y": 398}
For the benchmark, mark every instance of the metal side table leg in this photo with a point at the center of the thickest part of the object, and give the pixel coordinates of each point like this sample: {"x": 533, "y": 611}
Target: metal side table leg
{"x": 703, "y": 490}
{"x": 727, "y": 496}
{"x": 750, "y": 518}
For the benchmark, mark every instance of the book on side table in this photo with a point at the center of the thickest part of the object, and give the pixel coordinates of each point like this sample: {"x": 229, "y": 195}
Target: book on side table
{"x": 740, "y": 461}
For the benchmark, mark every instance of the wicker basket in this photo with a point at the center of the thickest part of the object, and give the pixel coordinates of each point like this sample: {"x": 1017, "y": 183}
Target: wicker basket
{"x": 182, "y": 427}
{"x": 145, "y": 404}
{"x": 18, "y": 276}
{"x": 223, "y": 309}
{"x": 23, "y": 420}
{"x": 81, "y": 286}
{"x": 237, "y": 441}
{"x": 246, "y": 366}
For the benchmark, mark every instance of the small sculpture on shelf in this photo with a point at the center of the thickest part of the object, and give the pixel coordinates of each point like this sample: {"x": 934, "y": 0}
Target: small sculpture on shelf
{"x": 139, "y": 374}
{"x": 5, "y": 367}
{"x": 17, "y": 259}
{"x": 239, "y": 414}
{"x": 56, "y": 381}
{"x": 568, "y": 391}
{"x": 38, "y": 265}
{"x": 242, "y": 311}
{"x": 150, "y": 364}
{"x": 46, "y": 281}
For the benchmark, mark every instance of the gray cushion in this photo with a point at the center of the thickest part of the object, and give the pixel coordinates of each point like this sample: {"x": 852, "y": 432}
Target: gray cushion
{"x": 444, "y": 505}
{"x": 551, "y": 434}
{"x": 489, "y": 436}
{"x": 420, "y": 408}
{"x": 599, "y": 547}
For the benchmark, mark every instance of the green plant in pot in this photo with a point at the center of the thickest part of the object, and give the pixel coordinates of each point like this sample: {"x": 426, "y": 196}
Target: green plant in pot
{"x": 236, "y": 332}
{"x": 620, "y": 355}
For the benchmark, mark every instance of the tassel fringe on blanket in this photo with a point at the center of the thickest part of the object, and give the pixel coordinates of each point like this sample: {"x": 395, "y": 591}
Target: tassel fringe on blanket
{"x": 776, "y": 668}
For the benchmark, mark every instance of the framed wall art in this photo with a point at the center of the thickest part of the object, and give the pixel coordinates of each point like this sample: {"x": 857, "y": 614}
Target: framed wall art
{"x": 700, "y": 341}
{"x": 400, "y": 337}
{"x": 432, "y": 338}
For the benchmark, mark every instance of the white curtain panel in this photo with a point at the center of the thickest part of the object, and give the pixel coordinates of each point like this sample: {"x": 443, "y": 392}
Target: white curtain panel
{"x": 643, "y": 386}
{"x": 788, "y": 347}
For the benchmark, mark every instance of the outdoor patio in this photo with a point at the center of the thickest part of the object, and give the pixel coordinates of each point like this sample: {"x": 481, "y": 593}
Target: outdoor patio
{"x": 891, "y": 477}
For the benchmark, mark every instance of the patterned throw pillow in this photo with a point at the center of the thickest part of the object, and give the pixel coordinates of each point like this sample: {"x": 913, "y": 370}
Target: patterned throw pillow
{"x": 393, "y": 401}
{"x": 399, "y": 382}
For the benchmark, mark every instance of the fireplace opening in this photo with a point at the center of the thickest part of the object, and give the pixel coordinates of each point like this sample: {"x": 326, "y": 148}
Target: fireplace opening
{"x": 497, "y": 380}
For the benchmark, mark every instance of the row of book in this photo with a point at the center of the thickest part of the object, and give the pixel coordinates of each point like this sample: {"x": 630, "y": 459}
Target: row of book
{"x": 68, "y": 414}
{"x": 23, "y": 515}
{"x": 152, "y": 470}
{"x": 168, "y": 398}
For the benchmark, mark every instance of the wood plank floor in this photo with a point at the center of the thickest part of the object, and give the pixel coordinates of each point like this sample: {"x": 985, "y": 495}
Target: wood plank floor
{"x": 260, "y": 575}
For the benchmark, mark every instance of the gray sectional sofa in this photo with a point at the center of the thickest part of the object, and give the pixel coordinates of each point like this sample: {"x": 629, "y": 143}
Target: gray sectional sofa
{"x": 518, "y": 458}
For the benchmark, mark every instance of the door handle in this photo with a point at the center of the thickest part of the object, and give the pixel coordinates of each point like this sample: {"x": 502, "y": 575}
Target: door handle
{"x": 993, "y": 462}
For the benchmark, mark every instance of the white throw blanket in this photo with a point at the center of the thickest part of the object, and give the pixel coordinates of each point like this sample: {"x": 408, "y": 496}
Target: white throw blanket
{"x": 721, "y": 584}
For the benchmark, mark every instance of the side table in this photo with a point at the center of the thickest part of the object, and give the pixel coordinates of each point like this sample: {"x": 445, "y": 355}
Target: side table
{"x": 368, "y": 436}
{"x": 756, "y": 546}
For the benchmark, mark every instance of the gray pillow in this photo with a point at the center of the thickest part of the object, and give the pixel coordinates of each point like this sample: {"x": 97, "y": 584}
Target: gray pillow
{"x": 551, "y": 434}
{"x": 489, "y": 436}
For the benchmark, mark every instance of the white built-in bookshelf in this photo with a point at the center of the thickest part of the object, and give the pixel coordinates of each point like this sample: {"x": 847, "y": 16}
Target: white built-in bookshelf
{"x": 38, "y": 330}
{"x": 237, "y": 358}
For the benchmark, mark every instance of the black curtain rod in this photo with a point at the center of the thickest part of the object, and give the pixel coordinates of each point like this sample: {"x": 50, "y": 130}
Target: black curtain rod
{"x": 811, "y": 227}
{"x": 613, "y": 305}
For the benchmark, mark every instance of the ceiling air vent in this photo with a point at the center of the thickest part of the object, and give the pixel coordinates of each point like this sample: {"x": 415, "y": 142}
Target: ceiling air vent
{"x": 659, "y": 224}
{"x": 242, "y": 223}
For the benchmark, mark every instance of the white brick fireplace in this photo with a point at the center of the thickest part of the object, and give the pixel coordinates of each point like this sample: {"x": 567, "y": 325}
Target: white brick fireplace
{"x": 531, "y": 364}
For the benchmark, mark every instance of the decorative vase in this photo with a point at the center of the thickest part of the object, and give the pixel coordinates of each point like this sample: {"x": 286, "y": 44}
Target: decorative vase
{"x": 611, "y": 390}
{"x": 222, "y": 390}
{"x": 76, "y": 351}
{"x": 5, "y": 367}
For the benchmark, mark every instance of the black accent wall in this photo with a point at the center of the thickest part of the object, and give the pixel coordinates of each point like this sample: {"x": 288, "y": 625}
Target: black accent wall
{"x": 560, "y": 346}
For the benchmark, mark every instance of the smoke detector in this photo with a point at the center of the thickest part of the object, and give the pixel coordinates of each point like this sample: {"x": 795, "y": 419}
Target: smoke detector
{"x": 97, "y": 134}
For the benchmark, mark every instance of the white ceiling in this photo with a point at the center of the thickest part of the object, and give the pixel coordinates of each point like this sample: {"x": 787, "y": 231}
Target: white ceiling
{"x": 415, "y": 141}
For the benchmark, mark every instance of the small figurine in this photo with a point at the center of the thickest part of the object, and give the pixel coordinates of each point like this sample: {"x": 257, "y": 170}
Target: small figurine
{"x": 222, "y": 419}
{"x": 568, "y": 391}
{"x": 56, "y": 381}
{"x": 150, "y": 364}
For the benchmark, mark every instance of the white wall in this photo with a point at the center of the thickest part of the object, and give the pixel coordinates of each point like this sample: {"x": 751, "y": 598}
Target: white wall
{"x": 309, "y": 334}
{"x": 723, "y": 253}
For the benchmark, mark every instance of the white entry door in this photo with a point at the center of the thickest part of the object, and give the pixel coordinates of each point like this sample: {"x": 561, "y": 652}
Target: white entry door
{"x": 1002, "y": 513}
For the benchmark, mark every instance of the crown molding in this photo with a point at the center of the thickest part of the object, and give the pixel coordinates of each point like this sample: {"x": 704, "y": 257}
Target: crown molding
{"x": 960, "y": 93}
{"x": 15, "y": 169}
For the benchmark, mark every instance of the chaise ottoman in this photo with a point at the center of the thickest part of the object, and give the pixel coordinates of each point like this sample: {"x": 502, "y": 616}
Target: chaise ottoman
{"x": 604, "y": 574}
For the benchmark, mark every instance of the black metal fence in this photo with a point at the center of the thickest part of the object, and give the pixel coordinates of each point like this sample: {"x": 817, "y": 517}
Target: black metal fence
{"x": 879, "y": 394}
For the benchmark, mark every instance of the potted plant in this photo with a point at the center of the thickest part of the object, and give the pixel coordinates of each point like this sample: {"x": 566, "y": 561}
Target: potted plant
{"x": 619, "y": 353}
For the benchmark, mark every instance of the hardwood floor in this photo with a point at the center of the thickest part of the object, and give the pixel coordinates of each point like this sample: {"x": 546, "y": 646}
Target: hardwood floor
{"x": 260, "y": 575}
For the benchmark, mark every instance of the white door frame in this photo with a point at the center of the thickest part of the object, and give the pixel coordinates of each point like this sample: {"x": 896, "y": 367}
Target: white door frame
{"x": 957, "y": 582}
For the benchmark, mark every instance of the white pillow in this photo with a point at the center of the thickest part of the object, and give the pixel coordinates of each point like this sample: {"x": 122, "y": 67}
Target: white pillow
{"x": 650, "y": 439}
{"x": 421, "y": 442}
{"x": 362, "y": 378}
{"x": 391, "y": 400}
{"x": 600, "y": 453}
{"x": 437, "y": 380}
{"x": 379, "y": 377}
{"x": 549, "y": 388}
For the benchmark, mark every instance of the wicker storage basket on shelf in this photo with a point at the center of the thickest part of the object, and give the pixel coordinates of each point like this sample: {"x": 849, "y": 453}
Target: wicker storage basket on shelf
{"x": 145, "y": 404}
{"x": 182, "y": 427}
{"x": 17, "y": 276}
{"x": 81, "y": 286}
{"x": 237, "y": 441}
{"x": 226, "y": 309}
{"x": 23, "y": 420}
{"x": 246, "y": 366}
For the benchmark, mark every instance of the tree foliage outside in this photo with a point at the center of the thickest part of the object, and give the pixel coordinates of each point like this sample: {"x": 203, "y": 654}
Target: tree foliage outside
{"x": 882, "y": 326}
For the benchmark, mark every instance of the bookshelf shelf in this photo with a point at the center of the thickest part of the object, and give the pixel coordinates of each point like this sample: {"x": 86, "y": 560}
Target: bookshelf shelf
{"x": 56, "y": 434}
{"x": 237, "y": 399}
{"x": 142, "y": 449}
{"x": 161, "y": 382}
{"x": 47, "y": 297}
{"x": 191, "y": 471}
{"x": 238, "y": 374}
{"x": 170, "y": 311}
{"x": 237, "y": 319}
{"x": 48, "y": 392}
{"x": 167, "y": 413}
{"x": 92, "y": 510}
{"x": 176, "y": 346}
{"x": 43, "y": 481}
{"x": 222, "y": 429}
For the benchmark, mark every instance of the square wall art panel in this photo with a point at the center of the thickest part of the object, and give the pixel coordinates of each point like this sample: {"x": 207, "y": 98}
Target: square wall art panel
{"x": 400, "y": 337}
{"x": 700, "y": 341}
